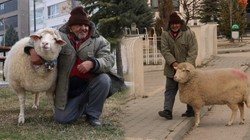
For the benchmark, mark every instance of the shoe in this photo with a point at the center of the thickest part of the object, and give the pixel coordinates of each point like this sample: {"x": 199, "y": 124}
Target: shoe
{"x": 166, "y": 114}
{"x": 188, "y": 114}
{"x": 94, "y": 122}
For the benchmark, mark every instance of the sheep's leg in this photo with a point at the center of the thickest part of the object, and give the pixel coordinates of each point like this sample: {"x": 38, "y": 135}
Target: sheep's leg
{"x": 242, "y": 113}
{"x": 197, "y": 116}
{"x": 21, "y": 97}
{"x": 247, "y": 98}
{"x": 234, "y": 108}
{"x": 36, "y": 101}
{"x": 50, "y": 96}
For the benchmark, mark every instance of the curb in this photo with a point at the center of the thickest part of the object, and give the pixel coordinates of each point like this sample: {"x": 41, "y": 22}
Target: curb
{"x": 3, "y": 84}
{"x": 232, "y": 51}
{"x": 185, "y": 125}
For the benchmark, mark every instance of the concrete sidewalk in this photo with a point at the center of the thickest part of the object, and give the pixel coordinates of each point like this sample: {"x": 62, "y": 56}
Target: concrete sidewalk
{"x": 141, "y": 120}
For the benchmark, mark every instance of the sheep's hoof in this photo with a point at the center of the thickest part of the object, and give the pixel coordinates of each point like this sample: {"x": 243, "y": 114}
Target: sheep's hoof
{"x": 35, "y": 106}
{"x": 228, "y": 124}
{"x": 197, "y": 125}
{"x": 241, "y": 123}
{"x": 21, "y": 120}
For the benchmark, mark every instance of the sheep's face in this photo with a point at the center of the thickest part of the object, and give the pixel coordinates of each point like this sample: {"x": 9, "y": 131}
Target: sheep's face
{"x": 47, "y": 43}
{"x": 183, "y": 72}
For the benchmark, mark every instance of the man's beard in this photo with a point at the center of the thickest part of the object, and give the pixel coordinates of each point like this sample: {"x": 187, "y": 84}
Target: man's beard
{"x": 80, "y": 35}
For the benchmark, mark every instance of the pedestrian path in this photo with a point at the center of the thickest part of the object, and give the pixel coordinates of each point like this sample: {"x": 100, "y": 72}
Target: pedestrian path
{"x": 141, "y": 120}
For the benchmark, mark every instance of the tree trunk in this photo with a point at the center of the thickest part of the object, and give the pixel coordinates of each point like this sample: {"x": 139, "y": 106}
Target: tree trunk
{"x": 119, "y": 60}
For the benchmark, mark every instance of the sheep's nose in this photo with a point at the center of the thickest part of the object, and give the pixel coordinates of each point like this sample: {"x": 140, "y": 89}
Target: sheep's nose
{"x": 175, "y": 77}
{"x": 45, "y": 43}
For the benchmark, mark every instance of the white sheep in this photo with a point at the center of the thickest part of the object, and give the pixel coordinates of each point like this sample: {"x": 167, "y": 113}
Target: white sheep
{"x": 24, "y": 77}
{"x": 213, "y": 87}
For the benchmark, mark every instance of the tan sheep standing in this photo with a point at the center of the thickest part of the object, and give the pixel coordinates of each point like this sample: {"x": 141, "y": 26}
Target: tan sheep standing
{"x": 213, "y": 87}
{"x": 24, "y": 77}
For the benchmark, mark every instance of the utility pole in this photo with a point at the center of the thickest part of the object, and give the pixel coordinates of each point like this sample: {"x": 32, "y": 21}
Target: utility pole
{"x": 34, "y": 7}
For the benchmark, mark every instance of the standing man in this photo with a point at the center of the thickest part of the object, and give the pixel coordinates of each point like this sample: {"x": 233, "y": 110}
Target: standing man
{"x": 178, "y": 44}
{"x": 82, "y": 84}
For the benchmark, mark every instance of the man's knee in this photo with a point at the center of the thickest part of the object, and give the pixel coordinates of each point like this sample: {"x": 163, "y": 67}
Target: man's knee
{"x": 63, "y": 118}
{"x": 104, "y": 79}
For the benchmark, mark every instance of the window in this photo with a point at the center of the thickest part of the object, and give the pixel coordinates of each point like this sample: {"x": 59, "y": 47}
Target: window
{"x": 8, "y": 6}
{"x": 53, "y": 11}
{"x": 2, "y": 6}
{"x": 39, "y": 16}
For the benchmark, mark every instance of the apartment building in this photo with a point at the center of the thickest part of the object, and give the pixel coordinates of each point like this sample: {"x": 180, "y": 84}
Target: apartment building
{"x": 49, "y": 13}
{"x": 14, "y": 13}
{"x": 21, "y": 14}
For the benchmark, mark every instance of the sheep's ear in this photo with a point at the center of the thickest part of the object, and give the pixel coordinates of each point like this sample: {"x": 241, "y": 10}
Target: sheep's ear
{"x": 175, "y": 68}
{"x": 60, "y": 42}
{"x": 35, "y": 37}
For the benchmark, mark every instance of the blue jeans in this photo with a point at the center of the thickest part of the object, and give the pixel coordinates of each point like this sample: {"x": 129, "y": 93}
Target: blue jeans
{"x": 90, "y": 101}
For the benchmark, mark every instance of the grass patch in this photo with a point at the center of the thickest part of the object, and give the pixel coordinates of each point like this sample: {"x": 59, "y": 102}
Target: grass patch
{"x": 39, "y": 124}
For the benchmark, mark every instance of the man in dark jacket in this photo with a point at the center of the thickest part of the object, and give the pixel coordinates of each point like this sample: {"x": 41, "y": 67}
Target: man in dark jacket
{"x": 178, "y": 44}
{"x": 82, "y": 84}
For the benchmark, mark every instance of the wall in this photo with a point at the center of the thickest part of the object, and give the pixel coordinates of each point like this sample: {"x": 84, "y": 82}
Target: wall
{"x": 207, "y": 42}
{"x": 133, "y": 49}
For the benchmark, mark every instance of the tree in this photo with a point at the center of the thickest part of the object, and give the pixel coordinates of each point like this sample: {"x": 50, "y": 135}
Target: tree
{"x": 209, "y": 11}
{"x": 165, "y": 9}
{"x": 11, "y": 37}
{"x": 190, "y": 8}
{"x": 232, "y": 12}
{"x": 112, "y": 16}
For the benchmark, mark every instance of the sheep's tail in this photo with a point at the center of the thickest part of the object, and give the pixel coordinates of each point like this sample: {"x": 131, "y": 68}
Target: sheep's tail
{"x": 247, "y": 96}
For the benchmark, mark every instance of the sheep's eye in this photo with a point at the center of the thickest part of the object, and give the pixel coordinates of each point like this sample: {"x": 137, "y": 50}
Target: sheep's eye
{"x": 184, "y": 70}
{"x": 55, "y": 39}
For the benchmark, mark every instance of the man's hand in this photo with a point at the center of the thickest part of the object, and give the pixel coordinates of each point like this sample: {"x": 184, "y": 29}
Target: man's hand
{"x": 85, "y": 66}
{"x": 175, "y": 64}
{"x": 35, "y": 58}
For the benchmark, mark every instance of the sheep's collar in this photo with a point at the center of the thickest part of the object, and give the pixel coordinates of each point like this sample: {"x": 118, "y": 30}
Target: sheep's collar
{"x": 49, "y": 65}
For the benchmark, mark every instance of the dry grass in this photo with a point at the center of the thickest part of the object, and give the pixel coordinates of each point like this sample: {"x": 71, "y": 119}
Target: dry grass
{"x": 39, "y": 124}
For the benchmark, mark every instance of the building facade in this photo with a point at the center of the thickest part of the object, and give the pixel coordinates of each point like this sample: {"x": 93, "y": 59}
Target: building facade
{"x": 21, "y": 14}
{"x": 14, "y": 13}
{"x": 49, "y": 13}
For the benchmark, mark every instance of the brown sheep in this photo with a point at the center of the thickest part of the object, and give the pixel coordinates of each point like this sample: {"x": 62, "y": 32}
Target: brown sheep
{"x": 213, "y": 87}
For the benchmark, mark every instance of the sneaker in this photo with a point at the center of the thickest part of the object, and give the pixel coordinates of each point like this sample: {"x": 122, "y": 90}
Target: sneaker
{"x": 166, "y": 114}
{"x": 188, "y": 114}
